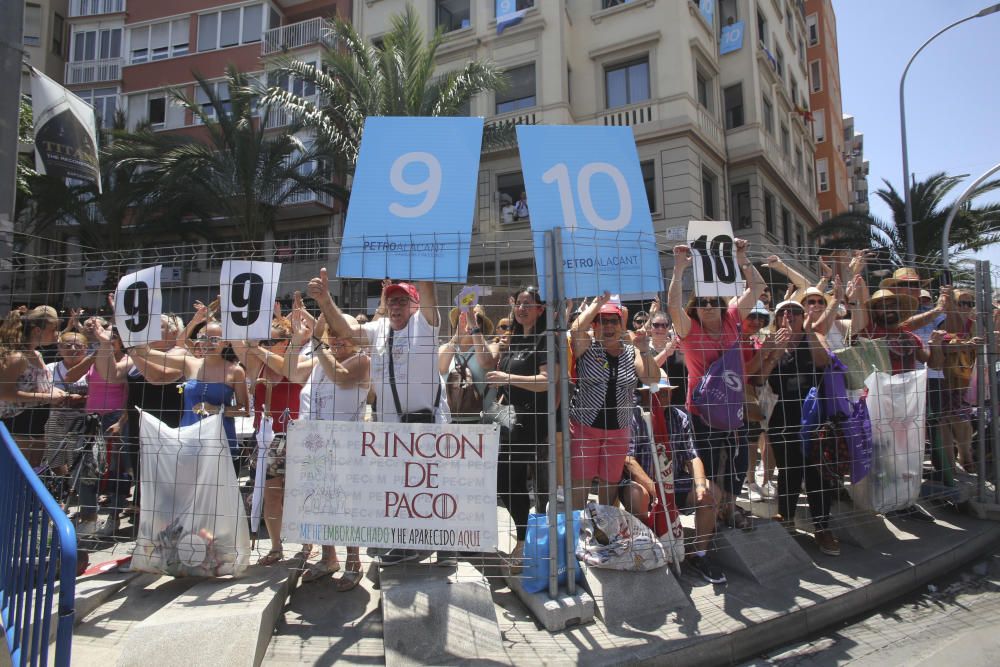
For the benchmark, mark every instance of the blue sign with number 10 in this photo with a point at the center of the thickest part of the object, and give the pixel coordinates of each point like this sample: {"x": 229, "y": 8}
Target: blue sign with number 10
{"x": 413, "y": 199}
{"x": 587, "y": 180}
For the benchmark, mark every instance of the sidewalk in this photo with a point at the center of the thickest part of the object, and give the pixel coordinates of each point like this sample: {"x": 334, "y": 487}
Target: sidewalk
{"x": 724, "y": 625}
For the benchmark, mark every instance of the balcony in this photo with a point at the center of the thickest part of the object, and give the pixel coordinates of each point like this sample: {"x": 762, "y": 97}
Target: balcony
{"x": 634, "y": 114}
{"x": 279, "y": 117}
{"x": 94, "y": 71}
{"x": 710, "y": 126}
{"x": 79, "y": 8}
{"x": 286, "y": 38}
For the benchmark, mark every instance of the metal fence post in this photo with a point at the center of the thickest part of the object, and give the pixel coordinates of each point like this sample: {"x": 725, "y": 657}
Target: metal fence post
{"x": 981, "y": 363}
{"x": 551, "y": 294}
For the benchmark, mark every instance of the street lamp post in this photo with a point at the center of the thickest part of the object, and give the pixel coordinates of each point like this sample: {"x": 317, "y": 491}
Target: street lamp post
{"x": 910, "y": 250}
{"x": 945, "y": 243}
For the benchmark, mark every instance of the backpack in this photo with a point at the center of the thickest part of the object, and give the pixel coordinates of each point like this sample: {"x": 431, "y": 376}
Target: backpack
{"x": 463, "y": 395}
{"x": 720, "y": 395}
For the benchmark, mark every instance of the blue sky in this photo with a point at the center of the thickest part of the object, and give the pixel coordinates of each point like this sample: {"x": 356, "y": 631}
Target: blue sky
{"x": 952, "y": 91}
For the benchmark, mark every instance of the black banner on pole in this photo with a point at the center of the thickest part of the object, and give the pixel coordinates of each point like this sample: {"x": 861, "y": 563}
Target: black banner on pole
{"x": 65, "y": 132}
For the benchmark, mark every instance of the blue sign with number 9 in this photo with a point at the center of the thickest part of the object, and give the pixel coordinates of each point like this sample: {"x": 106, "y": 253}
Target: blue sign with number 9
{"x": 587, "y": 181}
{"x": 413, "y": 199}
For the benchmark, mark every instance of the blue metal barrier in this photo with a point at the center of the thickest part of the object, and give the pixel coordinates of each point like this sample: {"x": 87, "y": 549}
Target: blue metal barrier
{"x": 37, "y": 544}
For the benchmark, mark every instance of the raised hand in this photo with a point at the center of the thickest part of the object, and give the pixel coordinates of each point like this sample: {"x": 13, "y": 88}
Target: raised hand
{"x": 839, "y": 291}
{"x": 742, "y": 245}
{"x": 824, "y": 268}
{"x": 682, "y": 257}
{"x": 319, "y": 287}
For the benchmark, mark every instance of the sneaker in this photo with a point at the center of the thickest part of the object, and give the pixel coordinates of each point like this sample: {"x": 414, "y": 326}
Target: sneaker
{"x": 560, "y": 495}
{"x": 708, "y": 570}
{"x": 754, "y": 492}
{"x": 827, "y": 543}
{"x": 769, "y": 490}
{"x": 446, "y": 559}
{"x": 397, "y": 556}
{"x": 109, "y": 528}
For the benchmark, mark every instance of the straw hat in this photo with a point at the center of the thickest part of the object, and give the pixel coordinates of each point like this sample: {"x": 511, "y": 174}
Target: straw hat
{"x": 905, "y": 304}
{"x": 903, "y": 275}
{"x": 813, "y": 291}
{"x": 478, "y": 310}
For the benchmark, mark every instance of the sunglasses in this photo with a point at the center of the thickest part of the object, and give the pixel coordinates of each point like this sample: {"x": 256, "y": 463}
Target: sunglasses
{"x": 639, "y": 322}
{"x": 967, "y": 304}
{"x": 74, "y": 346}
{"x": 660, "y": 325}
{"x": 609, "y": 319}
{"x": 708, "y": 303}
{"x": 272, "y": 341}
{"x": 397, "y": 301}
{"x": 815, "y": 302}
{"x": 791, "y": 312}
{"x": 763, "y": 318}
{"x": 212, "y": 340}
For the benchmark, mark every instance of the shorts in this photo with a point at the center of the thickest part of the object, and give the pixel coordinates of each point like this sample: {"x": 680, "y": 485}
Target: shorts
{"x": 597, "y": 452}
{"x": 721, "y": 452}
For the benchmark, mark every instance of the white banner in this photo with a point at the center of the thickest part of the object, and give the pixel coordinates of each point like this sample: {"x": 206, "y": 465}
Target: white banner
{"x": 65, "y": 132}
{"x": 417, "y": 486}
{"x": 138, "y": 304}
{"x": 714, "y": 252}
{"x": 246, "y": 298}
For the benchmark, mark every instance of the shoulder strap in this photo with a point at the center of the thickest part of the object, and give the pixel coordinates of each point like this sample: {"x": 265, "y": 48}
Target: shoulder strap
{"x": 392, "y": 375}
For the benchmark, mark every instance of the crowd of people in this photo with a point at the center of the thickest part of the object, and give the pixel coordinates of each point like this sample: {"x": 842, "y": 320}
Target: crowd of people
{"x": 399, "y": 366}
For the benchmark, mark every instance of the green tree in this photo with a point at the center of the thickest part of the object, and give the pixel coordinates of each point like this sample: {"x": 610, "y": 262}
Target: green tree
{"x": 242, "y": 173}
{"x": 359, "y": 79}
{"x": 25, "y": 135}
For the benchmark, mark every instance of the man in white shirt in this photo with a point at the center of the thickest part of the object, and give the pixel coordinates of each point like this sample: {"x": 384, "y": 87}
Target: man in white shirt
{"x": 403, "y": 344}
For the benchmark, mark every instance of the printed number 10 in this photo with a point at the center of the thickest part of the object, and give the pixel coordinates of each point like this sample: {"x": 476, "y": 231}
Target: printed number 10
{"x": 559, "y": 174}
{"x": 718, "y": 253}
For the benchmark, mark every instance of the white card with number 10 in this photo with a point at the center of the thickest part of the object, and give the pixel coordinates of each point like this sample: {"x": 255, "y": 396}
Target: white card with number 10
{"x": 713, "y": 249}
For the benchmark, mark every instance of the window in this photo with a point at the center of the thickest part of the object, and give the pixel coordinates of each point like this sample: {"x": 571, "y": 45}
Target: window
{"x": 800, "y": 239}
{"x": 815, "y": 76}
{"x": 812, "y": 29}
{"x": 453, "y": 14}
{"x": 520, "y": 92}
{"x": 769, "y": 212}
{"x": 786, "y": 142}
{"x": 779, "y": 60}
{"x": 518, "y": 5}
{"x": 727, "y": 14}
{"x": 94, "y": 44}
{"x": 230, "y": 27}
{"x": 786, "y": 226}
{"x": 767, "y": 111}
{"x": 708, "y": 194}
{"x": 810, "y": 178}
{"x": 156, "y": 111}
{"x": 311, "y": 243}
{"x": 739, "y": 204}
{"x": 761, "y": 28}
{"x": 221, "y": 89}
{"x": 104, "y": 101}
{"x": 819, "y": 125}
{"x": 158, "y": 41}
{"x": 825, "y": 215}
{"x": 510, "y": 187}
{"x": 798, "y": 161}
{"x": 648, "y": 168}
{"x": 823, "y": 175}
{"x": 58, "y": 31}
{"x": 795, "y": 89}
{"x": 704, "y": 89}
{"x": 627, "y": 83}
{"x": 802, "y": 51}
{"x": 733, "y": 99}
{"x": 294, "y": 84}
{"x": 32, "y": 25}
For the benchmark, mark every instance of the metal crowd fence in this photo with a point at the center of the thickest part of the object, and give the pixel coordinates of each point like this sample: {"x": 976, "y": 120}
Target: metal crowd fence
{"x": 37, "y": 564}
{"x": 538, "y": 476}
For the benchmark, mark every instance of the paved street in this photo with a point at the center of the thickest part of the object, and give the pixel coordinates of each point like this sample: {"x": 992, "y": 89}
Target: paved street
{"x": 951, "y": 621}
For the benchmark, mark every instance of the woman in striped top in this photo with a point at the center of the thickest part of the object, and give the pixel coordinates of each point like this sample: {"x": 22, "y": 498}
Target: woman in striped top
{"x": 608, "y": 370}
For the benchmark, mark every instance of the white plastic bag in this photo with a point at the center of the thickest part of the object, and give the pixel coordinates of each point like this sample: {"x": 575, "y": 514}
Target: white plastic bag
{"x": 192, "y": 521}
{"x": 612, "y": 538}
{"x": 897, "y": 405}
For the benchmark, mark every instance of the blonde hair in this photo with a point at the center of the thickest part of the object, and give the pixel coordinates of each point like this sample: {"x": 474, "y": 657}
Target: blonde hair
{"x": 16, "y": 329}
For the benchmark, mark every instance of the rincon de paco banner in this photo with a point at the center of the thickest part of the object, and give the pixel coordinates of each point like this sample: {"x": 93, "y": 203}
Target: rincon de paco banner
{"x": 417, "y": 486}
{"x": 65, "y": 132}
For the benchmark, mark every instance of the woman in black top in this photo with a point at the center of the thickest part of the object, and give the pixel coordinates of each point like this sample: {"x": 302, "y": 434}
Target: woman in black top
{"x": 522, "y": 380}
{"x": 794, "y": 359}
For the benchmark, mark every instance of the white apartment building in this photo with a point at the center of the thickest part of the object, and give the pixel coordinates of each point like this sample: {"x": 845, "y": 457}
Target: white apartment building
{"x": 718, "y": 137}
{"x": 857, "y": 167}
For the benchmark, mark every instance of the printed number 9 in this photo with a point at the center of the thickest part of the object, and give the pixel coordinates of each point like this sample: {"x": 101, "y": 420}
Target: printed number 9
{"x": 559, "y": 174}
{"x": 245, "y": 297}
{"x": 717, "y": 254}
{"x": 430, "y": 187}
{"x": 136, "y": 305}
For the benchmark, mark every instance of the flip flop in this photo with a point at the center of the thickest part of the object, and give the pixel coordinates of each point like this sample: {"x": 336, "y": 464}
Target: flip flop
{"x": 273, "y": 556}
{"x": 319, "y": 570}
{"x": 349, "y": 580}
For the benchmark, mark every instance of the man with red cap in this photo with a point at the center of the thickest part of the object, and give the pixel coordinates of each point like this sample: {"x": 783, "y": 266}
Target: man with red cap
{"x": 403, "y": 345}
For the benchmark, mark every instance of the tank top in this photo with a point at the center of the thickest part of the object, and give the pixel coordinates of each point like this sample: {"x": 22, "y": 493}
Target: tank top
{"x": 328, "y": 402}
{"x": 284, "y": 396}
{"x": 104, "y": 397}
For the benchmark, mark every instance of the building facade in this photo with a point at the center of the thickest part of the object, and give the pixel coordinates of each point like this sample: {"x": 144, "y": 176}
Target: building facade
{"x": 832, "y": 173}
{"x": 857, "y": 167}
{"x": 718, "y": 136}
{"x": 129, "y": 55}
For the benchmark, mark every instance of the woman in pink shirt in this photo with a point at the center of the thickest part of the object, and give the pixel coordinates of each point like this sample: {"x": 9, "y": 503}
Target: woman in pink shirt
{"x": 707, "y": 327}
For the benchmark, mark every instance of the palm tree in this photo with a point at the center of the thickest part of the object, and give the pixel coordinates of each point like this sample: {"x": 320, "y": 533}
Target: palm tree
{"x": 359, "y": 79}
{"x": 974, "y": 227}
{"x": 243, "y": 173}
